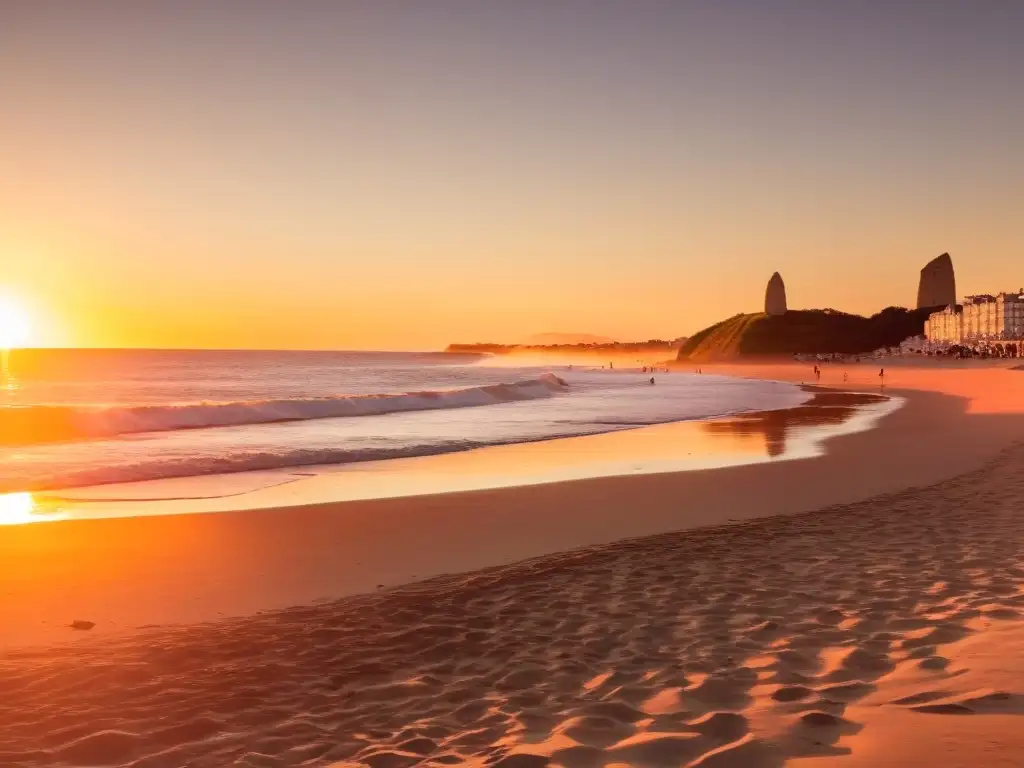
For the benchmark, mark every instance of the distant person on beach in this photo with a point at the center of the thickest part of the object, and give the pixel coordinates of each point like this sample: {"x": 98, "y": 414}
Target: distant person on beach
{"x": 652, "y": 379}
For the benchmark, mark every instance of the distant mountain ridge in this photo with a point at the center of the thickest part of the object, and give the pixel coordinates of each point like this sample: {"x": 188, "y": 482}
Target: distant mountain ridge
{"x": 658, "y": 347}
{"x": 545, "y": 339}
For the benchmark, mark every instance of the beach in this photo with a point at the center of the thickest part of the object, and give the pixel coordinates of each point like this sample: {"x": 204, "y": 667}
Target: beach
{"x": 751, "y": 615}
{"x": 511, "y": 385}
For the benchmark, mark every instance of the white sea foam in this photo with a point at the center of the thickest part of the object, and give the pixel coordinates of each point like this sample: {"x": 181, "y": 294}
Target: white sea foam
{"x": 46, "y": 423}
{"x": 248, "y": 462}
{"x": 87, "y": 417}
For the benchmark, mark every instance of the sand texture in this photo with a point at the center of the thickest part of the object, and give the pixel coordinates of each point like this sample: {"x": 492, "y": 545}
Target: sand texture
{"x": 837, "y": 635}
{"x": 190, "y": 568}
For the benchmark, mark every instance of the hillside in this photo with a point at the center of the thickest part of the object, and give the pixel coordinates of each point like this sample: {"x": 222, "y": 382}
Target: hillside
{"x": 815, "y": 331}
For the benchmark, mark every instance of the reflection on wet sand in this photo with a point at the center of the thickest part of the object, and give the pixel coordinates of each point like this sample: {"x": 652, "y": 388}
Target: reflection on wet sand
{"x": 826, "y": 408}
{"x": 675, "y": 447}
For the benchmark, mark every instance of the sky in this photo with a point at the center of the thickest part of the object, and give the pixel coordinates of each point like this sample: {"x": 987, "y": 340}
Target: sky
{"x": 400, "y": 175}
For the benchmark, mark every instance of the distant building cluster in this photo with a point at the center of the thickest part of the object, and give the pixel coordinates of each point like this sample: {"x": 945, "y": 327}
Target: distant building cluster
{"x": 982, "y": 324}
{"x": 980, "y": 318}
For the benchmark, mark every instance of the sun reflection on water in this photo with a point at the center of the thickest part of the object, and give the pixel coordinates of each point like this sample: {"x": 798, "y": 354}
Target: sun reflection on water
{"x": 21, "y": 508}
{"x": 8, "y": 381}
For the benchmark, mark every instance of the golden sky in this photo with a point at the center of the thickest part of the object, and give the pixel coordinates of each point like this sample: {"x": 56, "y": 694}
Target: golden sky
{"x": 393, "y": 175}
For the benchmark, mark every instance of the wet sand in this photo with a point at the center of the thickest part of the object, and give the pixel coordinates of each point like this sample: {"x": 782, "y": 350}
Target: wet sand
{"x": 749, "y": 438}
{"x": 130, "y": 572}
{"x": 885, "y": 584}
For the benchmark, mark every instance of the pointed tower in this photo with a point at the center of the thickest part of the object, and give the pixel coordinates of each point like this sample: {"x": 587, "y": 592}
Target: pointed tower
{"x": 775, "y": 296}
{"x": 937, "y": 287}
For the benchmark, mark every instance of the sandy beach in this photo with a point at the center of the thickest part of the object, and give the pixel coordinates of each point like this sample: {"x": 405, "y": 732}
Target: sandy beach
{"x": 387, "y": 385}
{"x": 753, "y": 615}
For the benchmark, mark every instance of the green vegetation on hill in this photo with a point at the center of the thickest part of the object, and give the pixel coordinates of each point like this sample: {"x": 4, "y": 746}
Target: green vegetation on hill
{"x": 718, "y": 341}
{"x": 814, "y": 331}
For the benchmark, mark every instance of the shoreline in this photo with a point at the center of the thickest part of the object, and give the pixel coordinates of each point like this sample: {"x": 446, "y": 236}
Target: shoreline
{"x": 129, "y": 572}
{"x": 53, "y": 492}
{"x": 822, "y": 637}
{"x": 61, "y": 447}
{"x": 746, "y": 437}
{"x": 811, "y": 611}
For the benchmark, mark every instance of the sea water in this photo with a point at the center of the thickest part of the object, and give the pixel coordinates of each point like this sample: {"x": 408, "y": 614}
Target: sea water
{"x": 72, "y": 418}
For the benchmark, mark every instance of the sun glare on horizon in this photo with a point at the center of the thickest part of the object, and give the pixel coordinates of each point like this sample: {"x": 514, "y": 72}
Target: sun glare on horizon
{"x": 15, "y": 327}
{"x": 16, "y": 508}
{"x": 24, "y": 508}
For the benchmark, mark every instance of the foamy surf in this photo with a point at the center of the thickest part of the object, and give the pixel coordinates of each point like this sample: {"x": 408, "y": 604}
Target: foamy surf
{"x": 95, "y": 417}
{"x": 43, "y": 423}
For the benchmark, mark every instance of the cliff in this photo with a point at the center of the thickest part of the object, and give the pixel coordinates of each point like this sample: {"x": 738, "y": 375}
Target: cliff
{"x": 816, "y": 331}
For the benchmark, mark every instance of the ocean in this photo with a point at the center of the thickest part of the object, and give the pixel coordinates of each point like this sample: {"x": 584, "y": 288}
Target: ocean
{"x": 72, "y": 418}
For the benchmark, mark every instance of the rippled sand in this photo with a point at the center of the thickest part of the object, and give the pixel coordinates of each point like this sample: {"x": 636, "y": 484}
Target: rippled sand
{"x": 862, "y": 633}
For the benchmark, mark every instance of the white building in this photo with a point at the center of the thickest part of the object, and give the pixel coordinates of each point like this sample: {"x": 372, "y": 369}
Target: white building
{"x": 979, "y": 318}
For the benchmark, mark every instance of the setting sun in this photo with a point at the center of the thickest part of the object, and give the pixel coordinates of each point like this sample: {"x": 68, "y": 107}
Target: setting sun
{"x": 16, "y": 508}
{"x": 24, "y": 507}
{"x": 14, "y": 325}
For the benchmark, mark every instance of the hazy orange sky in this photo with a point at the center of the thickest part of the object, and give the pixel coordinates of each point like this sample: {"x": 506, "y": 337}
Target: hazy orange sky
{"x": 404, "y": 174}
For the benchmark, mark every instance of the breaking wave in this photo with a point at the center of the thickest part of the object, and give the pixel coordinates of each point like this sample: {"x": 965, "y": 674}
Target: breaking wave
{"x": 23, "y": 425}
{"x": 294, "y": 460}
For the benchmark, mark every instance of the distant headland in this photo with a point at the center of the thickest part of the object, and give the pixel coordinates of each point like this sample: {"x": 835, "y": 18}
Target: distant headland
{"x": 547, "y": 339}
{"x": 809, "y": 332}
{"x": 779, "y": 330}
{"x": 659, "y": 348}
